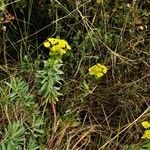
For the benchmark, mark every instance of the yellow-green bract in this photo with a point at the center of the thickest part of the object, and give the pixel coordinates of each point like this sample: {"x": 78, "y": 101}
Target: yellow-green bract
{"x": 146, "y": 134}
{"x": 57, "y": 46}
{"x": 146, "y": 124}
{"x": 98, "y": 70}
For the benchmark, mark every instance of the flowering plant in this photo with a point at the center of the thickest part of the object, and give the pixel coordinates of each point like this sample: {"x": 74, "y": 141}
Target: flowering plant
{"x": 49, "y": 78}
{"x": 57, "y": 46}
{"x": 98, "y": 70}
{"x": 146, "y": 134}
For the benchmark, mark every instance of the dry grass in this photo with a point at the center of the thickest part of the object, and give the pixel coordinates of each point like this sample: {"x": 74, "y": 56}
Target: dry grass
{"x": 106, "y": 116}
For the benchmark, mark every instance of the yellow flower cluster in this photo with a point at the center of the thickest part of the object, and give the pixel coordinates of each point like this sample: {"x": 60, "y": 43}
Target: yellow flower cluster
{"x": 146, "y": 134}
{"x": 57, "y": 46}
{"x": 98, "y": 70}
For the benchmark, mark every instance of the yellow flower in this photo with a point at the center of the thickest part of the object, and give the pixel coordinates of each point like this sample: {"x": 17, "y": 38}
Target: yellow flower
{"x": 62, "y": 43}
{"x": 146, "y": 124}
{"x": 99, "y": 75}
{"x": 56, "y": 49}
{"x": 68, "y": 46}
{"x": 104, "y": 68}
{"x": 47, "y": 44}
{"x": 98, "y": 70}
{"x": 146, "y": 134}
{"x": 57, "y": 46}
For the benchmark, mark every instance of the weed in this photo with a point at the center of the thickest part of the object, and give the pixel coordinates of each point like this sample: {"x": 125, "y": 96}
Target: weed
{"x": 37, "y": 71}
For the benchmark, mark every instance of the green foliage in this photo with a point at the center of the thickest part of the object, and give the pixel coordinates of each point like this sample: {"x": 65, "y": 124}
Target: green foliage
{"x": 14, "y": 136}
{"x": 19, "y": 92}
{"x": 36, "y": 127}
{"x": 145, "y": 146}
{"x": 48, "y": 79}
{"x": 32, "y": 145}
{"x": 140, "y": 146}
{"x": 28, "y": 66}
